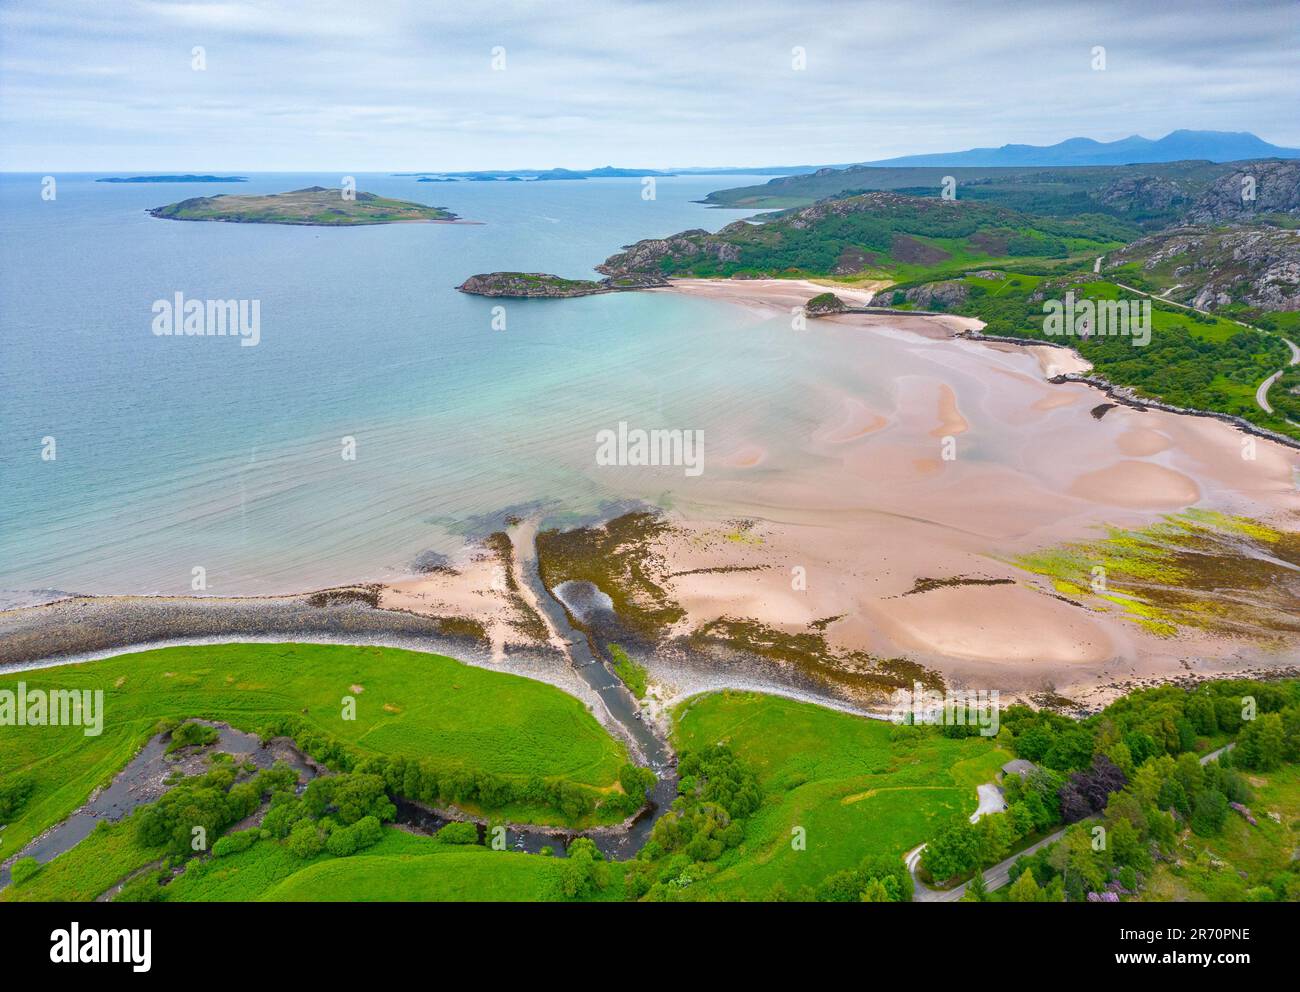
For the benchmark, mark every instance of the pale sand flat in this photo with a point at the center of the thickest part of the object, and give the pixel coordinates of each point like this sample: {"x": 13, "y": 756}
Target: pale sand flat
{"x": 1141, "y": 485}
{"x": 1013, "y": 625}
{"x": 1140, "y": 441}
{"x": 1056, "y": 400}
{"x": 865, "y": 515}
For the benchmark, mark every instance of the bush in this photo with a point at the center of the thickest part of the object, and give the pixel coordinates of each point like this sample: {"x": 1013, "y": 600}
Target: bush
{"x": 23, "y": 869}
{"x": 304, "y": 840}
{"x": 345, "y": 841}
{"x": 146, "y": 888}
{"x": 236, "y": 842}
{"x": 191, "y": 734}
{"x": 458, "y": 833}
{"x": 13, "y": 797}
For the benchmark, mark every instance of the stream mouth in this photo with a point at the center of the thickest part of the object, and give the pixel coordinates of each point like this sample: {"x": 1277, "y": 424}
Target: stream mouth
{"x": 595, "y": 609}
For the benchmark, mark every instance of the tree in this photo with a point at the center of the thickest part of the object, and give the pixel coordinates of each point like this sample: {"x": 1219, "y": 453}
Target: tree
{"x": 977, "y": 890}
{"x": 1200, "y": 710}
{"x": 994, "y": 837}
{"x": 1263, "y": 743}
{"x": 875, "y": 891}
{"x": 585, "y": 870}
{"x": 1209, "y": 812}
{"x": 1126, "y": 847}
{"x": 1025, "y": 889}
{"x": 305, "y": 840}
{"x": 636, "y": 781}
{"x": 1087, "y": 792}
{"x": 953, "y": 851}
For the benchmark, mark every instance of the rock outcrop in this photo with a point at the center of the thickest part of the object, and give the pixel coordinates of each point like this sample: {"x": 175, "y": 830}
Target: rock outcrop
{"x": 1246, "y": 194}
{"x": 824, "y": 303}
{"x": 938, "y": 295}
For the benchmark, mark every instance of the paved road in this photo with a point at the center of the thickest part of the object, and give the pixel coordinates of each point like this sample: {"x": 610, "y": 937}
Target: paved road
{"x": 994, "y": 878}
{"x": 1261, "y": 394}
{"x": 1214, "y": 754}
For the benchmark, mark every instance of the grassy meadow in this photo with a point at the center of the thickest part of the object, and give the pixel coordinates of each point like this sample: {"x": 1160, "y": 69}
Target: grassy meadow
{"x": 407, "y": 703}
{"x": 856, "y": 786}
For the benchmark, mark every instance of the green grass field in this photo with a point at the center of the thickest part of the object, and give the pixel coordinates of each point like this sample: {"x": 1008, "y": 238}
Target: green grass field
{"x": 856, "y": 786}
{"x": 407, "y": 703}
{"x": 402, "y": 867}
{"x": 453, "y": 874}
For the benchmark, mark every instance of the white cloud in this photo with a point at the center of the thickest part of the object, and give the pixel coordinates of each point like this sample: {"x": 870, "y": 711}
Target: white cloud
{"x": 408, "y": 85}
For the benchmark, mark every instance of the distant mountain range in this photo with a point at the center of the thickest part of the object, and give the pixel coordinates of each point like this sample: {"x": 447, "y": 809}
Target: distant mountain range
{"x": 1176, "y": 146}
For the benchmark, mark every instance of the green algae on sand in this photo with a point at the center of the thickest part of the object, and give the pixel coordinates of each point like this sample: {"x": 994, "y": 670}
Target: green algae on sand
{"x": 1205, "y": 569}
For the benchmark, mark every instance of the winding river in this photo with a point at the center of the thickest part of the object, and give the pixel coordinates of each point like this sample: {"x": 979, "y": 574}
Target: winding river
{"x": 144, "y": 779}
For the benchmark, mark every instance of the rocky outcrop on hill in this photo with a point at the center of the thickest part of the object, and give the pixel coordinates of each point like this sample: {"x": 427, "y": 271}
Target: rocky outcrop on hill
{"x": 1143, "y": 195}
{"x": 1252, "y": 191}
{"x": 645, "y": 257}
{"x": 1209, "y": 267}
{"x": 685, "y": 250}
{"x": 938, "y": 295}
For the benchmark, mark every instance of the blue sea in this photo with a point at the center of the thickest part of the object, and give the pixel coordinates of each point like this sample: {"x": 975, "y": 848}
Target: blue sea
{"x": 176, "y": 452}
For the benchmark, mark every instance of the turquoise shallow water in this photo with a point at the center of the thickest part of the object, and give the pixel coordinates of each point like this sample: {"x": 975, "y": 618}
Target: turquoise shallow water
{"x": 177, "y": 452}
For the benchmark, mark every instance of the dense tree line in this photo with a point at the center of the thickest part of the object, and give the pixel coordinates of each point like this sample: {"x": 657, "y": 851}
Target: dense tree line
{"x": 425, "y": 781}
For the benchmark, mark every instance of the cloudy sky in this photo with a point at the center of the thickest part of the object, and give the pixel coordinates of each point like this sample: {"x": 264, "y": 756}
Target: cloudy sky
{"x": 380, "y": 85}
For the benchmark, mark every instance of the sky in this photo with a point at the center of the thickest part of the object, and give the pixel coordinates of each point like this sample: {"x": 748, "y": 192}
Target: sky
{"x": 377, "y": 86}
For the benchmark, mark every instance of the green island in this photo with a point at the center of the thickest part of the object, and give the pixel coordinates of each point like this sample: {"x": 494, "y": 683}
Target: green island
{"x": 315, "y": 206}
{"x": 776, "y": 799}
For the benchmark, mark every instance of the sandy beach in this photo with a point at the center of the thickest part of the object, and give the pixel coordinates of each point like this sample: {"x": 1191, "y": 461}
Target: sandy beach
{"x": 890, "y": 528}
